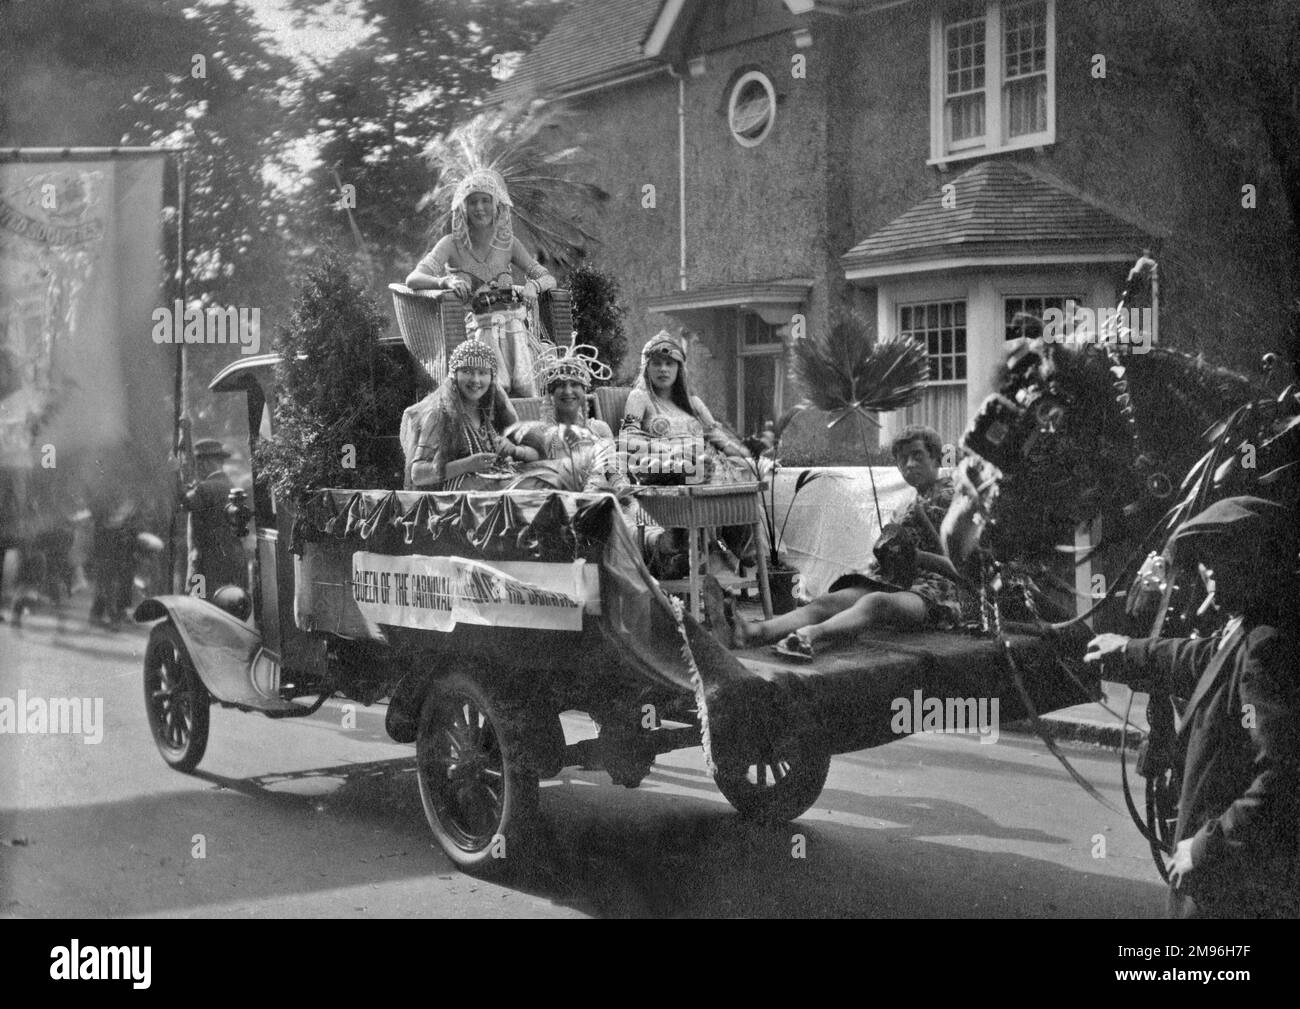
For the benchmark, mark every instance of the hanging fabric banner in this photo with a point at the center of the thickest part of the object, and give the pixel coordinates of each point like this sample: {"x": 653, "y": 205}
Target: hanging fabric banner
{"x": 436, "y": 593}
{"x": 82, "y": 386}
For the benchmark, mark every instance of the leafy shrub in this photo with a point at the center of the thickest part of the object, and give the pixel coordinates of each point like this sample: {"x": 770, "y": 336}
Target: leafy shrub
{"x": 597, "y": 314}
{"x": 338, "y": 387}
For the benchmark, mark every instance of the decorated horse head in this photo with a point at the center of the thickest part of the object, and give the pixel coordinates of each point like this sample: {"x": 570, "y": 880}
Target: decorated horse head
{"x": 1141, "y": 441}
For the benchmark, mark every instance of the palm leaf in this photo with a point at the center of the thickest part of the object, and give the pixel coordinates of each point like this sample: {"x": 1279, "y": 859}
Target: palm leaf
{"x": 845, "y": 373}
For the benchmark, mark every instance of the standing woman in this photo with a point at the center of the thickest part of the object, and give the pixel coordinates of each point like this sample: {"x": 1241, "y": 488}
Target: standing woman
{"x": 479, "y": 253}
{"x": 458, "y": 438}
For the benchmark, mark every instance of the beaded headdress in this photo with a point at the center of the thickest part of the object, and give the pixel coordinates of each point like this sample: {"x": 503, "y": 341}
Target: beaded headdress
{"x": 663, "y": 342}
{"x": 579, "y": 363}
{"x": 483, "y": 180}
{"x": 472, "y": 354}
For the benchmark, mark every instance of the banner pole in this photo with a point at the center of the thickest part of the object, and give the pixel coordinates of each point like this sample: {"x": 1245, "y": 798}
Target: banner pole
{"x": 180, "y": 397}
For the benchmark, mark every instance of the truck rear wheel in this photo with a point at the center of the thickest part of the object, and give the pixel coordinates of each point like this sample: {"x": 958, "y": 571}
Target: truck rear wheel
{"x": 175, "y": 699}
{"x": 480, "y": 803}
{"x": 777, "y": 786}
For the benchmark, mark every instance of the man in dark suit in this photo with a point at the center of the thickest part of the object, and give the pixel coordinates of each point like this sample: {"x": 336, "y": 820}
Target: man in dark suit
{"x": 1237, "y": 843}
{"x": 215, "y": 551}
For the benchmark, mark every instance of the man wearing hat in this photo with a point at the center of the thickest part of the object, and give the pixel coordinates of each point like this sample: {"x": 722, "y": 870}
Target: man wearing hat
{"x": 1237, "y": 843}
{"x": 215, "y": 551}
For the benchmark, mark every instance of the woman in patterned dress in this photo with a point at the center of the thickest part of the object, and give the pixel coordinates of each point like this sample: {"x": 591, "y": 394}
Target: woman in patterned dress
{"x": 858, "y": 601}
{"x": 668, "y": 436}
{"x": 577, "y": 451}
{"x": 665, "y": 429}
{"x": 479, "y": 254}
{"x": 457, "y": 441}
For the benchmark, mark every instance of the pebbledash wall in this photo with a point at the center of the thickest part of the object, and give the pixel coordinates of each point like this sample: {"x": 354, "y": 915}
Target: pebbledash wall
{"x": 757, "y": 213}
{"x": 848, "y": 153}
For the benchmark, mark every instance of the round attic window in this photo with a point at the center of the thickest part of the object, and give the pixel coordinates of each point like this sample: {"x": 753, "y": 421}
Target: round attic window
{"x": 752, "y": 109}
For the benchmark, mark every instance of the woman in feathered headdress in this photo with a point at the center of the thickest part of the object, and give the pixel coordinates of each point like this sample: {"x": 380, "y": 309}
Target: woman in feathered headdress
{"x": 455, "y": 439}
{"x": 477, "y": 259}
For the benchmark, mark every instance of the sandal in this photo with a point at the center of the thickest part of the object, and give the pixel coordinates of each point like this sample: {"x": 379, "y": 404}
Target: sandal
{"x": 792, "y": 646}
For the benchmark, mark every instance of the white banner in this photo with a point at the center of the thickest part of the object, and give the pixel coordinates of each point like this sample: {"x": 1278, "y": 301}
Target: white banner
{"x": 79, "y": 275}
{"x": 437, "y": 593}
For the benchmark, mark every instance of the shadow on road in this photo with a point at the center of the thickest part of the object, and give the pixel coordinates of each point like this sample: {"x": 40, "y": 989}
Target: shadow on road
{"x": 604, "y": 850}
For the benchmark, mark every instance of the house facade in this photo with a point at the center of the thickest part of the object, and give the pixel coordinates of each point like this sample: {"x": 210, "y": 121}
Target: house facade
{"x": 948, "y": 171}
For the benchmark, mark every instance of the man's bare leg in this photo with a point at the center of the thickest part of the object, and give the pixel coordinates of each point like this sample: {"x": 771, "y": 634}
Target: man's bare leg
{"x": 759, "y": 632}
{"x": 897, "y": 609}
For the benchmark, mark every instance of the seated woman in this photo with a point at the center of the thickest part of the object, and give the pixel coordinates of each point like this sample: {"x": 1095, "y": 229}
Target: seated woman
{"x": 855, "y": 601}
{"x": 454, "y": 438}
{"x": 577, "y": 452}
{"x": 669, "y": 437}
{"x": 480, "y": 252}
{"x": 663, "y": 423}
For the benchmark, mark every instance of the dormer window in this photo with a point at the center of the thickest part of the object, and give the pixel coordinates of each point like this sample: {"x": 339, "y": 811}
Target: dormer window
{"x": 992, "y": 70}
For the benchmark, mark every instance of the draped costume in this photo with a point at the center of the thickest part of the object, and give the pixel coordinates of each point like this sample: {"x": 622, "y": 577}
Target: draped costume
{"x": 513, "y": 330}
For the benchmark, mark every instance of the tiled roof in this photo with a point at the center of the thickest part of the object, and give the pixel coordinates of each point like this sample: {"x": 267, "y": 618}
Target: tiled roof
{"x": 597, "y": 40}
{"x": 1001, "y": 209}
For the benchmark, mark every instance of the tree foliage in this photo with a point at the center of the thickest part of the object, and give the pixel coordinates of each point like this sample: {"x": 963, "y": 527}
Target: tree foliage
{"x": 337, "y": 388}
{"x": 125, "y": 72}
{"x": 422, "y": 68}
{"x": 598, "y": 314}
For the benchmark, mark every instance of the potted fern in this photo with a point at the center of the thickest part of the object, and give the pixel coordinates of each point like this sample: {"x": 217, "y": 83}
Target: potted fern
{"x": 765, "y": 446}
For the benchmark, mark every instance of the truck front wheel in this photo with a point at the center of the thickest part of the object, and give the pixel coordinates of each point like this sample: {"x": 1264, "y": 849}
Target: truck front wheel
{"x": 176, "y": 701}
{"x": 480, "y": 802}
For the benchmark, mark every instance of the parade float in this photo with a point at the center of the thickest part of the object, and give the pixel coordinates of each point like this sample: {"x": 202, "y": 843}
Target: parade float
{"x": 480, "y": 617}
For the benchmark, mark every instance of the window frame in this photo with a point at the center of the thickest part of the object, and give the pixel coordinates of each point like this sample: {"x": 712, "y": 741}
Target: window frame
{"x": 964, "y": 301}
{"x": 765, "y": 82}
{"x": 775, "y": 353}
{"x": 1017, "y": 294}
{"x": 995, "y": 86}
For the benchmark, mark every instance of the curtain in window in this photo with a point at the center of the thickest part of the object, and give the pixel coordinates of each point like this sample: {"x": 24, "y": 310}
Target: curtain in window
{"x": 942, "y": 407}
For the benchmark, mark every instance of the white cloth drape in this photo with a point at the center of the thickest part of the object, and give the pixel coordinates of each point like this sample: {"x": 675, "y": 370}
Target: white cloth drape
{"x": 833, "y": 525}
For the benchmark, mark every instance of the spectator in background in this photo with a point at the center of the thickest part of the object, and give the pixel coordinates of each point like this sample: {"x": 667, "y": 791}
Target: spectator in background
{"x": 215, "y": 551}
{"x": 112, "y": 559}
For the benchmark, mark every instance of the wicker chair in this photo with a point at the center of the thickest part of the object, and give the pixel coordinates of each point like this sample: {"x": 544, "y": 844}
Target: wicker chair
{"x": 432, "y": 324}
{"x": 610, "y": 401}
{"x": 529, "y": 408}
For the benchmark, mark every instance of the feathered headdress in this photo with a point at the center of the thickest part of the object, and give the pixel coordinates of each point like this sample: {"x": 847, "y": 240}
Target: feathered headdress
{"x": 517, "y": 142}
{"x": 483, "y": 180}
